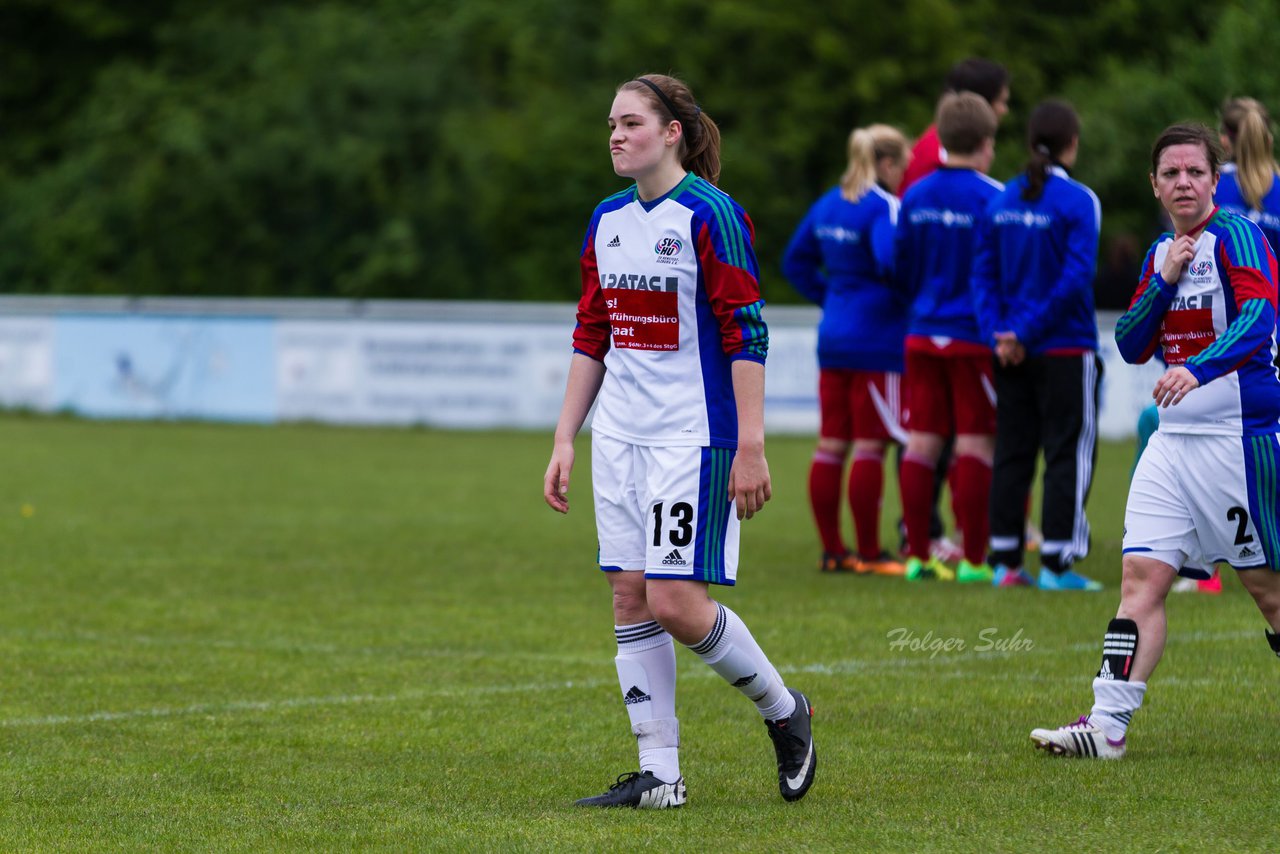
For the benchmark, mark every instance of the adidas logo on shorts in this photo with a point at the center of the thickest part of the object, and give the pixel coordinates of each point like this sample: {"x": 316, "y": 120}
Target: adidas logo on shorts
{"x": 674, "y": 559}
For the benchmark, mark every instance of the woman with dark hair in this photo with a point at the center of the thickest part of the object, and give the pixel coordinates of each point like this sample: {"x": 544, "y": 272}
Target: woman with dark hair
{"x": 1033, "y": 286}
{"x": 1205, "y": 489}
{"x": 841, "y": 257}
{"x": 670, "y": 345}
{"x": 1247, "y": 187}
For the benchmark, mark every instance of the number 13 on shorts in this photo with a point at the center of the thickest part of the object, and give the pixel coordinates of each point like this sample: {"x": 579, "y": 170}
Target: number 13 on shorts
{"x": 692, "y": 529}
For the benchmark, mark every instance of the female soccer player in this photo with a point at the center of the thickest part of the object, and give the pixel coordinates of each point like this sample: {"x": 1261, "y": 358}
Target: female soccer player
{"x": 841, "y": 257}
{"x": 1205, "y": 489}
{"x": 671, "y": 345}
{"x": 1248, "y": 186}
{"x": 1033, "y": 286}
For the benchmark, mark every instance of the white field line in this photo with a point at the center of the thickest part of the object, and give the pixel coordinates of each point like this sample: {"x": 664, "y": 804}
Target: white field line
{"x": 835, "y": 668}
{"x": 293, "y": 703}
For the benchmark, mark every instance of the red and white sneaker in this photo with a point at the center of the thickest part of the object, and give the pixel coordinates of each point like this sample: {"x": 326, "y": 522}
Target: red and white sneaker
{"x": 945, "y": 550}
{"x": 1081, "y": 739}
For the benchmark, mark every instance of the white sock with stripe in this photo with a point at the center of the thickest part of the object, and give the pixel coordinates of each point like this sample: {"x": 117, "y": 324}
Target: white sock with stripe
{"x": 646, "y": 664}
{"x": 1114, "y": 702}
{"x": 730, "y": 650}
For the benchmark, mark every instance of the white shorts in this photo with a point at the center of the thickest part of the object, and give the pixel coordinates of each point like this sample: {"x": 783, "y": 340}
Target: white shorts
{"x": 665, "y": 510}
{"x": 1200, "y": 500}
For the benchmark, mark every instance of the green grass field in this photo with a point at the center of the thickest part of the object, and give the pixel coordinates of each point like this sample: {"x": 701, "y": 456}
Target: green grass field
{"x": 249, "y": 638}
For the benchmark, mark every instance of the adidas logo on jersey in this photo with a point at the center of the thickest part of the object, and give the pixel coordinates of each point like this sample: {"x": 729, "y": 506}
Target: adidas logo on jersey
{"x": 615, "y": 243}
{"x": 674, "y": 559}
{"x": 635, "y": 695}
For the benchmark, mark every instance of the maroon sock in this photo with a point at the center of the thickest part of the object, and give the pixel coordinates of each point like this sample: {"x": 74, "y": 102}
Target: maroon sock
{"x": 825, "y": 475}
{"x": 866, "y": 482}
{"x": 916, "y": 476}
{"x": 971, "y": 486}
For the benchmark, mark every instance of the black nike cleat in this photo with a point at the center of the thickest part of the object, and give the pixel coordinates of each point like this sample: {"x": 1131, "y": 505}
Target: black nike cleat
{"x": 793, "y": 743}
{"x": 640, "y": 790}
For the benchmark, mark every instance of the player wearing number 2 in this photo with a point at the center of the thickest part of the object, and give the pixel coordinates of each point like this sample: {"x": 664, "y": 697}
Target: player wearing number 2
{"x": 671, "y": 345}
{"x": 1206, "y": 489}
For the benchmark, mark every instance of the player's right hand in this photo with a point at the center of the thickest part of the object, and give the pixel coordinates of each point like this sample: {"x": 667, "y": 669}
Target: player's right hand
{"x": 1180, "y": 254}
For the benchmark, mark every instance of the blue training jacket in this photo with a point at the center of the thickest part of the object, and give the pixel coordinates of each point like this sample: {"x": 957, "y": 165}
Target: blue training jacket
{"x": 1230, "y": 198}
{"x": 934, "y": 251}
{"x": 841, "y": 257}
{"x": 1035, "y": 264}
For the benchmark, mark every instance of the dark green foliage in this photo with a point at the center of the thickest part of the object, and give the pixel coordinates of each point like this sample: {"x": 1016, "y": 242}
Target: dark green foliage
{"x": 423, "y": 148}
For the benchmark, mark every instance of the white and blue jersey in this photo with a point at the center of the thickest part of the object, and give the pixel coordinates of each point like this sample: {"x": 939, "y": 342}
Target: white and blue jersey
{"x": 670, "y": 298}
{"x": 1035, "y": 263}
{"x": 841, "y": 257}
{"x": 934, "y": 252}
{"x": 1230, "y": 198}
{"x": 1219, "y": 321}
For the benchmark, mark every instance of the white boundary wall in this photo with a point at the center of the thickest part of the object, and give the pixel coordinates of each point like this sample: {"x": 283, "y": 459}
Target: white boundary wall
{"x": 445, "y": 364}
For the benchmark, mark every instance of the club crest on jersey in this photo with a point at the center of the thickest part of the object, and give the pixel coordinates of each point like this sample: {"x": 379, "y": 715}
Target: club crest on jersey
{"x": 1201, "y": 268}
{"x": 668, "y": 250}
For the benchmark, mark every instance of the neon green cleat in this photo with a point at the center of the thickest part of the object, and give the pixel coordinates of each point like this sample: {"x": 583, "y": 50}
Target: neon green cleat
{"x": 930, "y": 570}
{"x": 968, "y": 573}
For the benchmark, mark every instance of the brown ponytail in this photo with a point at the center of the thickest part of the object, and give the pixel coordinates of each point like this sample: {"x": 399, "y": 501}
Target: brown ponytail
{"x": 1052, "y": 127}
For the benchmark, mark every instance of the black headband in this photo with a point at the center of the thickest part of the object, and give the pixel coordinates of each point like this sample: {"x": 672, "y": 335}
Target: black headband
{"x": 671, "y": 107}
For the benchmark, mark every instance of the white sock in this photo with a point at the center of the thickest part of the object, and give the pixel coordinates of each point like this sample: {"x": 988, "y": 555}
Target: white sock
{"x": 646, "y": 664}
{"x": 1114, "y": 702}
{"x": 731, "y": 651}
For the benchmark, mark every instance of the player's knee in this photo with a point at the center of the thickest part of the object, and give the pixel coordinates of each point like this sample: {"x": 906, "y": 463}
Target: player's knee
{"x": 1144, "y": 584}
{"x": 834, "y": 447}
{"x": 683, "y": 609}
{"x": 629, "y": 603}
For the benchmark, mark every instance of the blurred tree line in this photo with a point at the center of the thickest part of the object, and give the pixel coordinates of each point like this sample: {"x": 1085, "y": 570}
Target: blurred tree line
{"x": 455, "y": 148}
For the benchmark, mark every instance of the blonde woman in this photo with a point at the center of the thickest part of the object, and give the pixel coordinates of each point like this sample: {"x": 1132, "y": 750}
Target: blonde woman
{"x": 841, "y": 257}
{"x": 1248, "y": 185}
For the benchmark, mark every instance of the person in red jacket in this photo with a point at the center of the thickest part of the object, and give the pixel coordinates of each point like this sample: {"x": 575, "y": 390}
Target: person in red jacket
{"x": 975, "y": 74}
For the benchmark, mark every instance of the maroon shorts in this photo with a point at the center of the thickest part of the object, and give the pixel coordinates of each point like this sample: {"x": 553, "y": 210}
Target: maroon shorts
{"x": 861, "y": 405}
{"x": 949, "y": 395}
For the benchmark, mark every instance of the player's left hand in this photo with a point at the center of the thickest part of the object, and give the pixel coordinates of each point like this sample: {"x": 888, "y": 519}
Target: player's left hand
{"x": 1173, "y": 386}
{"x": 749, "y": 484}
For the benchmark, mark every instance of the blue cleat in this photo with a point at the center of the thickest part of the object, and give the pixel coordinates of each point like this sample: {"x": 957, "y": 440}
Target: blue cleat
{"x": 1068, "y": 580}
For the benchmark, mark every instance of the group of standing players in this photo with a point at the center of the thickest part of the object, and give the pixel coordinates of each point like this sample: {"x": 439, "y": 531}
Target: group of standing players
{"x": 958, "y": 321}
{"x": 997, "y": 328}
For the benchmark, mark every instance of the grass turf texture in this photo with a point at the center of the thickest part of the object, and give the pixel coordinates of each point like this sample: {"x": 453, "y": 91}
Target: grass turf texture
{"x": 246, "y": 638}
